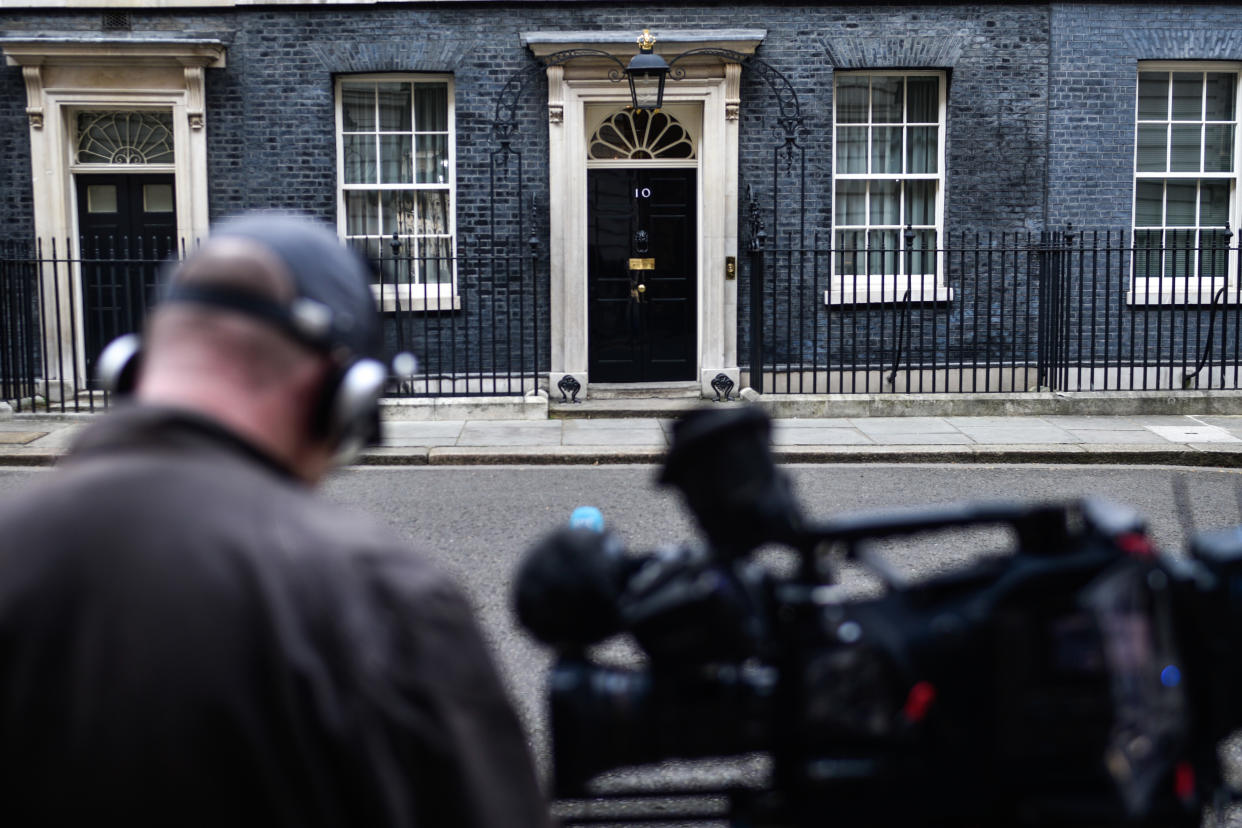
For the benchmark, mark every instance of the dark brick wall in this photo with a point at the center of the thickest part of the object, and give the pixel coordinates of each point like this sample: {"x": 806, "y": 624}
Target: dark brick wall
{"x": 1096, "y": 48}
{"x": 270, "y": 110}
{"x": 1040, "y": 119}
{"x": 16, "y": 205}
{"x": 996, "y": 60}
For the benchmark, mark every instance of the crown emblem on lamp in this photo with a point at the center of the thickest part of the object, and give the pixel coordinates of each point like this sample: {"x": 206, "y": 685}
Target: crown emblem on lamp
{"x": 646, "y": 73}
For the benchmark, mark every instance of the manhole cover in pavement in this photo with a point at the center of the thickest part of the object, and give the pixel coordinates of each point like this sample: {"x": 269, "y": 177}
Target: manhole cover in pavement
{"x": 1194, "y": 434}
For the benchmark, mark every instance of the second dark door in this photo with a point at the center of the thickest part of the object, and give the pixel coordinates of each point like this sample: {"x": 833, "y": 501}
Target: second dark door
{"x": 127, "y": 226}
{"x": 641, "y": 282}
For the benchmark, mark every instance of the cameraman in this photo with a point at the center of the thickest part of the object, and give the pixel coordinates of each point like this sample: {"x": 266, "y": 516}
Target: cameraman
{"x": 188, "y": 636}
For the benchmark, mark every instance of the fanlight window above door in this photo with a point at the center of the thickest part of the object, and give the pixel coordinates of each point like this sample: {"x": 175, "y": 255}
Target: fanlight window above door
{"x": 637, "y": 135}
{"x": 124, "y": 137}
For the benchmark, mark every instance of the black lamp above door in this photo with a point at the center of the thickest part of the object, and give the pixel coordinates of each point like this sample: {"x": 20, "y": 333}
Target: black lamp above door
{"x": 646, "y": 73}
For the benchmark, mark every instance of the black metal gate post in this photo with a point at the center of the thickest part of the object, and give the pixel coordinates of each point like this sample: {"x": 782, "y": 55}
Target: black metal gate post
{"x": 1052, "y": 348}
{"x": 1065, "y": 312}
{"x": 1048, "y": 263}
{"x": 1045, "y": 281}
{"x": 536, "y": 344}
{"x": 755, "y": 248}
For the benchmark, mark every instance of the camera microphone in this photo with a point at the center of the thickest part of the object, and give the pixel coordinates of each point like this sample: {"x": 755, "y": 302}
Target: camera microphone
{"x": 567, "y": 588}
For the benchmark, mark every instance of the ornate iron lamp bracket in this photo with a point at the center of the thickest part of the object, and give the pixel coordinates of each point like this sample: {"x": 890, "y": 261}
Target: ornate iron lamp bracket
{"x": 505, "y": 122}
{"x": 790, "y": 119}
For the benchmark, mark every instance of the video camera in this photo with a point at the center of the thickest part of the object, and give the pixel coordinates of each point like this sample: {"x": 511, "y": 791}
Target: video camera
{"x": 1083, "y": 679}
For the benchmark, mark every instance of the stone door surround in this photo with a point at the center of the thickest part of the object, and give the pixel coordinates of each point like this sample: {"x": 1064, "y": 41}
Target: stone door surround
{"x": 712, "y": 88}
{"x": 65, "y": 75}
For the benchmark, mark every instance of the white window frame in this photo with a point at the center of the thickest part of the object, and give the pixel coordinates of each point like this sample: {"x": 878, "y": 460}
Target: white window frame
{"x": 1192, "y": 289}
{"x": 415, "y": 296}
{"x": 848, "y": 289}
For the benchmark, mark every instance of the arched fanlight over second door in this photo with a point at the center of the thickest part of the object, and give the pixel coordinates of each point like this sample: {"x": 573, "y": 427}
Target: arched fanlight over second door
{"x": 124, "y": 137}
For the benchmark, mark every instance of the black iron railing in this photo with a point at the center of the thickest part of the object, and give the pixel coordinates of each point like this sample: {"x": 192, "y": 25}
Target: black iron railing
{"x": 969, "y": 313}
{"x": 60, "y": 304}
{"x": 985, "y": 313}
{"x": 477, "y": 321}
{"x": 476, "y": 318}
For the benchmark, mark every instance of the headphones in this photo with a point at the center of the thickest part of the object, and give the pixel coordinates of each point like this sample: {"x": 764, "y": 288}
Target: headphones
{"x": 347, "y": 413}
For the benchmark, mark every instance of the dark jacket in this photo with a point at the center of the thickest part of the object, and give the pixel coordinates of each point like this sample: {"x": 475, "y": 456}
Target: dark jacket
{"x": 188, "y": 636}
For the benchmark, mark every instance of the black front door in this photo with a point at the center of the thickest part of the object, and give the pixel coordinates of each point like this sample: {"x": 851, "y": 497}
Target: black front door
{"x": 127, "y": 226}
{"x": 641, "y": 263}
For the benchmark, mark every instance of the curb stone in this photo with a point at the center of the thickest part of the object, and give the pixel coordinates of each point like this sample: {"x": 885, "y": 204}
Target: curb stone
{"x": 542, "y": 456}
{"x": 1202, "y": 456}
{"x": 392, "y": 457}
{"x": 29, "y": 458}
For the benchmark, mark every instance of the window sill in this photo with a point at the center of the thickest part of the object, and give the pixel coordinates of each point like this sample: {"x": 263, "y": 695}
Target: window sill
{"x": 413, "y": 302}
{"x": 886, "y": 295}
{"x": 1169, "y": 297}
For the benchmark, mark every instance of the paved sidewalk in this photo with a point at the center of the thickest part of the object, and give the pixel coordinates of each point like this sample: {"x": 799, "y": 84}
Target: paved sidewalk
{"x": 1193, "y": 440}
